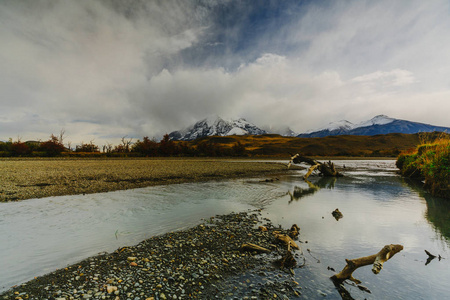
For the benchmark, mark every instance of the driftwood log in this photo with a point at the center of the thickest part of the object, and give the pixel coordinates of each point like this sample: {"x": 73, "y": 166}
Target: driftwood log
{"x": 286, "y": 239}
{"x": 377, "y": 260}
{"x": 325, "y": 169}
{"x": 254, "y": 247}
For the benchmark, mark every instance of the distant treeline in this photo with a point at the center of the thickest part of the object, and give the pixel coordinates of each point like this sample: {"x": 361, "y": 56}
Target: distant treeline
{"x": 145, "y": 148}
{"x": 266, "y": 145}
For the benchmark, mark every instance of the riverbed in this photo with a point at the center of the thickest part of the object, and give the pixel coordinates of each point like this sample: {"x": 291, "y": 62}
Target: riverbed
{"x": 38, "y": 236}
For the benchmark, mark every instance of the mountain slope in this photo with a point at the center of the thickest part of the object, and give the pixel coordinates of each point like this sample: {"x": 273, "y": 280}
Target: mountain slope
{"x": 378, "y": 125}
{"x": 216, "y": 126}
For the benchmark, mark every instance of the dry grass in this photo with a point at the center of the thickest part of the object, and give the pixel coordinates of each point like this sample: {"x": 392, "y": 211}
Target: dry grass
{"x": 36, "y": 178}
{"x": 429, "y": 161}
{"x": 388, "y": 145}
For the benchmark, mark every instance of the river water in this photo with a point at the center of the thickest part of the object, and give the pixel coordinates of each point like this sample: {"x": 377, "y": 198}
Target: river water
{"x": 38, "y": 236}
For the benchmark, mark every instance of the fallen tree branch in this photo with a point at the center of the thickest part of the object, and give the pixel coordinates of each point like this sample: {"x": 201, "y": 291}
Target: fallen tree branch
{"x": 286, "y": 239}
{"x": 377, "y": 260}
{"x": 325, "y": 169}
{"x": 253, "y": 247}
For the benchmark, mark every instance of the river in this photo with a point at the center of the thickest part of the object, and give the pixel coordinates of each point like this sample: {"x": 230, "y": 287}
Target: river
{"x": 38, "y": 236}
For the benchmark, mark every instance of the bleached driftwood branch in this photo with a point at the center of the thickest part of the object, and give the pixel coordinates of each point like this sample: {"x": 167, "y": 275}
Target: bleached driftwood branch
{"x": 377, "y": 260}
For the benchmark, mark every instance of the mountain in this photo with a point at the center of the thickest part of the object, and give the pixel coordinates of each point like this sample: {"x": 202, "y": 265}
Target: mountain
{"x": 216, "y": 126}
{"x": 281, "y": 130}
{"x": 380, "y": 124}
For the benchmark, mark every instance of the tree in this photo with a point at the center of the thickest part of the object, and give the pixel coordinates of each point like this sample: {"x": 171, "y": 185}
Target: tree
{"x": 167, "y": 147}
{"x": 126, "y": 144}
{"x": 146, "y": 147}
{"x": 53, "y": 146}
{"x": 87, "y": 147}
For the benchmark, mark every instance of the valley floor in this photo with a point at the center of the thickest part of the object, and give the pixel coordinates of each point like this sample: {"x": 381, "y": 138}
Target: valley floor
{"x": 36, "y": 178}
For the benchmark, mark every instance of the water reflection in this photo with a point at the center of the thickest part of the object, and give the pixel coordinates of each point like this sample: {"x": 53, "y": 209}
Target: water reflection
{"x": 38, "y": 236}
{"x": 379, "y": 209}
{"x": 438, "y": 214}
{"x": 438, "y": 210}
{"x": 300, "y": 192}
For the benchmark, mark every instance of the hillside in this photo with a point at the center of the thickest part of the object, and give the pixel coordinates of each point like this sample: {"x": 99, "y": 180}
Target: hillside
{"x": 344, "y": 145}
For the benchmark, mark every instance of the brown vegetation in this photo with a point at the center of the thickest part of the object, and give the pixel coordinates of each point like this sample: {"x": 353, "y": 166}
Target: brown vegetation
{"x": 268, "y": 145}
{"x": 388, "y": 145}
{"x": 429, "y": 162}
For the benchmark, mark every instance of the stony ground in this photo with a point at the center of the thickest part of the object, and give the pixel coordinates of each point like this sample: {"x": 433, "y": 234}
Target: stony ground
{"x": 188, "y": 264}
{"x": 36, "y": 178}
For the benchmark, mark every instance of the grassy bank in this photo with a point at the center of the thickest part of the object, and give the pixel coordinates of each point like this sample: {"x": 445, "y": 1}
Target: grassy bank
{"x": 430, "y": 162}
{"x": 36, "y": 178}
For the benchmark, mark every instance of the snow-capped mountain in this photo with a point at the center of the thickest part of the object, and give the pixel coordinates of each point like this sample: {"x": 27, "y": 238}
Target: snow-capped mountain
{"x": 281, "y": 130}
{"x": 216, "y": 126}
{"x": 337, "y": 126}
{"x": 377, "y": 120}
{"x": 380, "y": 124}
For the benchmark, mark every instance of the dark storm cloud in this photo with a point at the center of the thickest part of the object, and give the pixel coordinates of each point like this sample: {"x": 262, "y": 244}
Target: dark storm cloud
{"x": 105, "y": 69}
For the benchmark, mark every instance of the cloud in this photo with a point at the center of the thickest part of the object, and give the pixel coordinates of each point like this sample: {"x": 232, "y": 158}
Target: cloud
{"x": 68, "y": 60}
{"x": 105, "y": 69}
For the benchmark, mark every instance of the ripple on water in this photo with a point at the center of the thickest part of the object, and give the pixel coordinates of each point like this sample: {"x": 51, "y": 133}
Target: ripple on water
{"x": 40, "y": 235}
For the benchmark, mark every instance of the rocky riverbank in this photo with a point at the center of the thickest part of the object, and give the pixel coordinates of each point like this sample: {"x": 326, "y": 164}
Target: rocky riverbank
{"x": 198, "y": 263}
{"x": 37, "y": 177}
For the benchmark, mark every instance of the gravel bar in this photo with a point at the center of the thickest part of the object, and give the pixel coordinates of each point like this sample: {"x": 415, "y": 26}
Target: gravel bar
{"x": 36, "y": 178}
{"x": 198, "y": 263}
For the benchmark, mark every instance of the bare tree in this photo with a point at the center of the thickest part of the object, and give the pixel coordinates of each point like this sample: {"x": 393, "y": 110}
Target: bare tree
{"x": 126, "y": 143}
{"x": 61, "y": 136}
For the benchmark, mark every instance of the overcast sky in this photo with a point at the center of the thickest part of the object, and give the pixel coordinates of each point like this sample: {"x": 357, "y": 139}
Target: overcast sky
{"x": 102, "y": 70}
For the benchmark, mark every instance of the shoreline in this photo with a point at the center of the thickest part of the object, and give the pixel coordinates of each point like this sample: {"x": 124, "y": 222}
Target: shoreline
{"x": 37, "y": 178}
{"x": 195, "y": 263}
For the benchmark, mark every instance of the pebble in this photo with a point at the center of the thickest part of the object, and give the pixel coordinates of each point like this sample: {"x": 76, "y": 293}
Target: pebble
{"x": 179, "y": 265}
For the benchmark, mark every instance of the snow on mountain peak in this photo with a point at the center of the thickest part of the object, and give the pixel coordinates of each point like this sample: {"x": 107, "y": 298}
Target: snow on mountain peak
{"x": 214, "y": 125}
{"x": 337, "y": 125}
{"x": 377, "y": 120}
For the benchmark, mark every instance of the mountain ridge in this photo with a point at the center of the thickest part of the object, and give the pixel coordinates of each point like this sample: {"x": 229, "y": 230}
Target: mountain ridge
{"x": 216, "y": 126}
{"x": 380, "y": 124}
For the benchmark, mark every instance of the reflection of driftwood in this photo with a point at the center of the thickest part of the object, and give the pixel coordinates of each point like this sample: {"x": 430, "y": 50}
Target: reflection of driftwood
{"x": 431, "y": 257}
{"x": 345, "y": 295}
{"x": 377, "y": 260}
{"x": 288, "y": 260}
{"x": 324, "y": 182}
{"x": 301, "y": 192}
{"x": 325, "y": 169}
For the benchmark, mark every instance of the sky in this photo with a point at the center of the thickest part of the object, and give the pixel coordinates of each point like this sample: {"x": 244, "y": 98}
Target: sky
{"x": 105, "y": 69}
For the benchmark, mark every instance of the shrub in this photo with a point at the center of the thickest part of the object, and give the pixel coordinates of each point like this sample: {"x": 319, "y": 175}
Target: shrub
{"x": 19, "y": 149}
{"x": 431, "y": 162}
{"x": 52, "y": 147}
{"x": 87, "y": 148}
